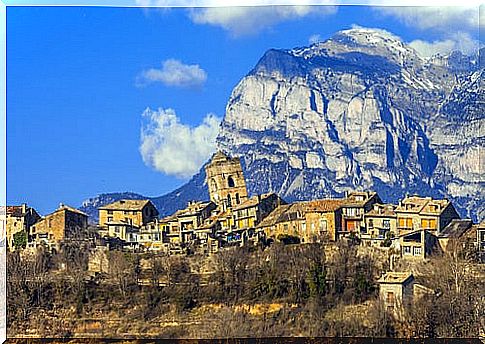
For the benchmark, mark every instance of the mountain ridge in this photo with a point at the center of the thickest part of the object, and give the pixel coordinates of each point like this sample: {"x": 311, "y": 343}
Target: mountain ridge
{"x": 361, "y": 110}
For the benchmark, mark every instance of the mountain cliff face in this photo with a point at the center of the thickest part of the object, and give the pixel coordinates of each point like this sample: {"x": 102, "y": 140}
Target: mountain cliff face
{"x": 361, "y": 110}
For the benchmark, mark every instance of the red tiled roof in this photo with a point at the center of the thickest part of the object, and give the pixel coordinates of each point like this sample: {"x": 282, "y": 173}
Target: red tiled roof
{"x": 323, "y": 205}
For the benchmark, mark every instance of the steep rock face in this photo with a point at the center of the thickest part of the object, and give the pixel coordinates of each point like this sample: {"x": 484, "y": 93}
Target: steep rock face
{"x": 361, "y": 110}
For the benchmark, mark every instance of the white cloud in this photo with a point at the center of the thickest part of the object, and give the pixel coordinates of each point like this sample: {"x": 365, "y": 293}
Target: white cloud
{"x": 173, "y": 73}
{"x": 440, "y": 18}
{"x": 240, "y": 21}
{"x": 314, "y": 39}
{"x": 458, "y": 41}
{"x": 175, "y": 148}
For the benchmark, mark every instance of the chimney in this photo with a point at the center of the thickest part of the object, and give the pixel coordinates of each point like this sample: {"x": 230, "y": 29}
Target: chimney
{"x": 24, "y": 208}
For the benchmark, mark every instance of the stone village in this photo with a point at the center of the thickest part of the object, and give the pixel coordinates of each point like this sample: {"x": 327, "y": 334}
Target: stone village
{"x": 416, "y": 228}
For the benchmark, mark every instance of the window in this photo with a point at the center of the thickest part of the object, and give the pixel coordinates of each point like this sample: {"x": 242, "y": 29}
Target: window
{"x": 371, "y": 223}
{"x": 323, "y": 225}
{"x": 110, "y": 212}
{"x": 213, "y": 184}
{"x": 390, "y": 297}
{"x": 405, "y": 223}
{"x": 407, "y": 249}
{"x": 230, "y": 182}
{"x": 237, "y": 198}
{"x": 417, "y": 251}
{"x": 117, "y": 229}
{"x": 428, "y": 224}
{"x": 110, "y": 219}
{"x": 229, "y": 201}
{"x": 285, "y": 226}
{"x": 386, "y": 224}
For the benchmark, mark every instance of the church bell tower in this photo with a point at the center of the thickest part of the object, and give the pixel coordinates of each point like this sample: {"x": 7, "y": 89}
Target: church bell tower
{"x": 225, "y": 180}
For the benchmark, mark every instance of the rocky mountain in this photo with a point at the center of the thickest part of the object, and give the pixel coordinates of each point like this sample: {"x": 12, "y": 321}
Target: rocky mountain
{"x": 361, "y": 110}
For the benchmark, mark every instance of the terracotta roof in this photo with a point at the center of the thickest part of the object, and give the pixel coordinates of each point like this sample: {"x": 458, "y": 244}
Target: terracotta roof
{"x": 126, "y": 204}
{"x": 14, "y": 210}
{"x": 323, "y": 205}
{"x": 396, "y": 277}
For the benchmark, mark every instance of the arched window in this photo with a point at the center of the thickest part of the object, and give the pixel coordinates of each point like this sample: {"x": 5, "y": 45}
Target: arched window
{"x": 229, "y": 201}
{"x": 237, "y": 198}
{"x": 230, "y": 182}
{"x": 213, "y": 184}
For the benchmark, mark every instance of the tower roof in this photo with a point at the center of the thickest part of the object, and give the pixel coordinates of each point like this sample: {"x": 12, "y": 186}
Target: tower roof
{"x": 219, "y": 156}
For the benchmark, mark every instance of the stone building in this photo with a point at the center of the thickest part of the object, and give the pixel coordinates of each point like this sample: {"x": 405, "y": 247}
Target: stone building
{"x": 19, "y": 219}
{"x": 128, "y": 211}
{"x": 354, "y": 206}
{"x": 454, "y": 234}
{"x": 396, "y": 290}
{"x": 414, "y": 213}
{"x": 380, "y": 223}
{"x": 418, "y": 244}
{"x": 225, "y": 180}
{"x": 64, "y": 223}
{"x": 323, "y": 219}
{"x": 249, "y": 213}
{"x": 287, "y": 219}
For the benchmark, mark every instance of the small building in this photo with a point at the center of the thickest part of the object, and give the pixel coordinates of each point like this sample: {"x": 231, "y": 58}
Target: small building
{"x": 454, "y": 233}
{"x": 19, "y": 219}
{"x": 128, "y": 211}
{"x": 249, "y": 213}
{"x": 380, "y": 223}
{"x": 285, "y": 220}
{"x": 425, "y": 213}
{"x": 64, "y": 223}
{"x": 354, "y": 206}
{"x": 150, "y": 237}
{"x": 396, "y": 291}
{"x": 323, "y": 219}
{"x": 419, "y": 244}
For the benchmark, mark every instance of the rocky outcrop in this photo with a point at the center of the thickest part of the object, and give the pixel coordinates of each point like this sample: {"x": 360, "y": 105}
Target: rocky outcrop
{"x": 361, "y": 110}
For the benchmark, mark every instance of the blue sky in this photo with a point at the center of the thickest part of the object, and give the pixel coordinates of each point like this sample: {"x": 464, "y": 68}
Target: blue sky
{"x": 80, "y": 78}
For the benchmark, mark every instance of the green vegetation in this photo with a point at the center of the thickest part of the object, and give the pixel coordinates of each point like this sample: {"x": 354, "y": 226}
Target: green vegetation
{"x": 20, "y": 239}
